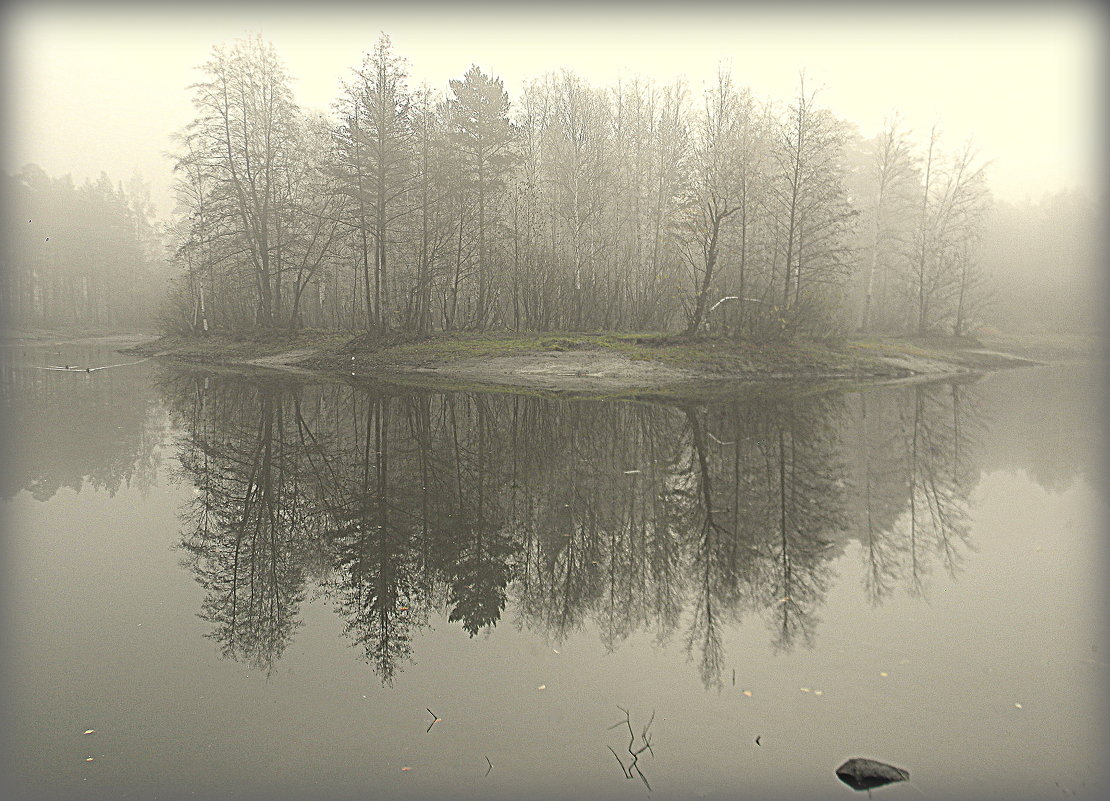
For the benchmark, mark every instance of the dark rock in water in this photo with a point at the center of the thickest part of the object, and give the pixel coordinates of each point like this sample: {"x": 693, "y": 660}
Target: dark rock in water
{"x": 866, "y": 774}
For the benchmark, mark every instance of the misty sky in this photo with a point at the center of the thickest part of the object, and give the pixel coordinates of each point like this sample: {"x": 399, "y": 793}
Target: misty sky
{"x": 101, "y": 87}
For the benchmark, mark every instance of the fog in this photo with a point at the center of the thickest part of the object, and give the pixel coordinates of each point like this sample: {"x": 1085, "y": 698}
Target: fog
{"x": 99, "y": 87}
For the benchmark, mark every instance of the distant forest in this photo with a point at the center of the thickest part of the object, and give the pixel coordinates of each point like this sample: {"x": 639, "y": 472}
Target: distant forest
{"x": 87, "y": 256}
{"x": 634, "y": 207}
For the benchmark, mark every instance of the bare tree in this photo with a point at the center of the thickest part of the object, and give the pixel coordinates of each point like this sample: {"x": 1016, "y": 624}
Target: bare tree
{"x": 716, "y": 191}
{"x": 243, "y": 140}
{"x": 953, "y": 202}
{"x": 892, "y": 174}
{"x": 812, "y": 204}
{"x": 313, "y": 219}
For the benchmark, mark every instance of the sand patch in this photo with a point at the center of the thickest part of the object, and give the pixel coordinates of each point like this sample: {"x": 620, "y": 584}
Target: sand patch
{"x": 570, "y": 370}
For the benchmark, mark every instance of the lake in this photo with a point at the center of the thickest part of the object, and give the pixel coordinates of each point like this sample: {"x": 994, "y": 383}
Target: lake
{"x": 241, "y": 586}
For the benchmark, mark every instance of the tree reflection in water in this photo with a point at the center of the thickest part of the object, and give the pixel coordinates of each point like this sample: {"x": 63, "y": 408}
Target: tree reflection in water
{"x": 688, "y": 518}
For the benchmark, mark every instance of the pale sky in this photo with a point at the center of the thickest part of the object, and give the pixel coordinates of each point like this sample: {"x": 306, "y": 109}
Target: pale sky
{"x": 100, "y": 87}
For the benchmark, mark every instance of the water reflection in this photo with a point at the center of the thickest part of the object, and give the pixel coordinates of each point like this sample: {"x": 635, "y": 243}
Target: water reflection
{"x": 916, "y": 463}
{"x": 76, "y": 429}
{"x": 677, "y": 519}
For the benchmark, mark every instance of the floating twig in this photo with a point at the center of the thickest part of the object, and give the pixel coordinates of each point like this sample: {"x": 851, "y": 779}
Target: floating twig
{"x": 624, "y": 770}
{"x": 644, "y": 736}
{"x": 435, "y": 719}
{"x": 489, "y": 768}
{"x": 633, "y": 767}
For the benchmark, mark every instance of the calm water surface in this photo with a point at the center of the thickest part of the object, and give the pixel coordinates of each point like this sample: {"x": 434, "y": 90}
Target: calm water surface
{"x": 258, "y": 587}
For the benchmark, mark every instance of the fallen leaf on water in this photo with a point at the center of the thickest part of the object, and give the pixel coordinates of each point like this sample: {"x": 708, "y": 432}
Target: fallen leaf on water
{"x": 90, "y": 731}
{"x": 883, "y": 674}
{"x": 748, "y": 693}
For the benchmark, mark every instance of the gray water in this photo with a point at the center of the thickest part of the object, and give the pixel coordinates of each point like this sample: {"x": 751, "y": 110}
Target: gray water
{"x": 258, "y": 586}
